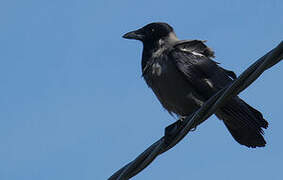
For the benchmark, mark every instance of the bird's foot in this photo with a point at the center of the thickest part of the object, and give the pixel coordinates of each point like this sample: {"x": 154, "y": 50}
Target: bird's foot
{"x": 182, "y": 118}
{"x": 193, "y": 129}
{"x": 172, "y": 130}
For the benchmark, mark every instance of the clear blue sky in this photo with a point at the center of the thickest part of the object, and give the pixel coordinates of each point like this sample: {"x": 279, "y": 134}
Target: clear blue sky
{"x": 74, "y": 106}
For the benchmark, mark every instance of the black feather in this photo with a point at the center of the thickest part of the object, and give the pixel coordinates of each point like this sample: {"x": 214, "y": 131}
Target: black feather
{"x": 183, "y": 76}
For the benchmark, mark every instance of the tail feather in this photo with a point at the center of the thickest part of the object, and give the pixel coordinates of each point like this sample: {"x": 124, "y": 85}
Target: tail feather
{"x": 263, "y": 123}
{"x": 247, "y": 137}
{"x": 244, "y": 122}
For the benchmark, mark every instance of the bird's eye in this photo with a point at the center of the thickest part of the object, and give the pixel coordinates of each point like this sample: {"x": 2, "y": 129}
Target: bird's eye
{"x": 152, "y": 30}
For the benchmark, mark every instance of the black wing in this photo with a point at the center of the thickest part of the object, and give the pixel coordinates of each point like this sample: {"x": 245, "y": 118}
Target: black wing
{"x": 195, "y": 46}
{"x": 192, "y": 60}
{"x": 243, "y": 121}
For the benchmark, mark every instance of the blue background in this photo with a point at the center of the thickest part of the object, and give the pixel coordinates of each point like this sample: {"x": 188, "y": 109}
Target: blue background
{"x": 73, "y": 104}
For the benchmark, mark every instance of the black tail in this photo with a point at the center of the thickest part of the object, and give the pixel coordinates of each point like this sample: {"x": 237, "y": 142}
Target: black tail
{"x": 244, "y": 122}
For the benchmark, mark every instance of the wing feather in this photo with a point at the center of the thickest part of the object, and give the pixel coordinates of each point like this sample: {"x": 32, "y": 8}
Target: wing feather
{"x": 201, "y": 72}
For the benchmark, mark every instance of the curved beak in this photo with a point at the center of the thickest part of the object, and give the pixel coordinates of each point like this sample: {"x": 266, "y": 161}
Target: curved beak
{"x": 134, "y": 35}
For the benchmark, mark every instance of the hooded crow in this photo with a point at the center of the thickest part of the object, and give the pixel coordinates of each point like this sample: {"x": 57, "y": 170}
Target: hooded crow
{"x": 183, "y": 76}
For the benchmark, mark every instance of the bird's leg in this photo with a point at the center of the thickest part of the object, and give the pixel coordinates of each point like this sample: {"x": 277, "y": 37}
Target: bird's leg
{"x": 193, "y": 129}
{"x": 172, "y": 130}
{"x": 182, "y": 118}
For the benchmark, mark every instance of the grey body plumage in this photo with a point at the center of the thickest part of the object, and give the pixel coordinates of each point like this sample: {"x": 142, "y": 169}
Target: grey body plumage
{"x": 183, "y": 76}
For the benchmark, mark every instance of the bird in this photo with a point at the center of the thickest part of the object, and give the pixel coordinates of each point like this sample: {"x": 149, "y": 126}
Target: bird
{"x": 183, "y": 75}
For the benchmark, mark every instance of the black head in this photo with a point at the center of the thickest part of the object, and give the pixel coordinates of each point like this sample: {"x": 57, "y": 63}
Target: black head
{"x": 151, "y": 32}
